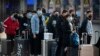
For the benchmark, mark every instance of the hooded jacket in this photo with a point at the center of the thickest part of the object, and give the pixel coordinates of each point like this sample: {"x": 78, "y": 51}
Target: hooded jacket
{"x": 11, "y": 26}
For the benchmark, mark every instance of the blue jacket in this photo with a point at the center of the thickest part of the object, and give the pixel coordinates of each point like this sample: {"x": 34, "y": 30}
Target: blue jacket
{"x": 35, "y": 23}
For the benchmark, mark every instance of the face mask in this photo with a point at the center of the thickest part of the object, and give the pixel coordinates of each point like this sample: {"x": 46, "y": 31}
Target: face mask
{"x": 29, "y": 15}
{"x": 70, "y": 19}
{"x": 39, "y": 13}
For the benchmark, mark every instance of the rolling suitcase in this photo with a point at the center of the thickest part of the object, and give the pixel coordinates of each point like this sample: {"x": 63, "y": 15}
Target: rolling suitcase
{"x": 84, "y": 38}
{"x": 49, "y": 47}
{"x": 22, "y": 45}
{"x": 87, "y": 49}
{"x": 6, "y": 47}
{"x": 97, "y": 36}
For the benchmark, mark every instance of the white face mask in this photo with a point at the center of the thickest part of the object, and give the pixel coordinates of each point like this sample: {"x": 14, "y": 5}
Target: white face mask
{"x": 29, "y": 15}
{"x": 39, "y": 13}
{"x": 70, "y": 19}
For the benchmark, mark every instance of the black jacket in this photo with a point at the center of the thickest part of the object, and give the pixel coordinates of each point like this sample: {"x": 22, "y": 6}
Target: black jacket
{"x": 51, "y": 26}
{"x": 82, "y": 29}
{"x": 64, "y": 31}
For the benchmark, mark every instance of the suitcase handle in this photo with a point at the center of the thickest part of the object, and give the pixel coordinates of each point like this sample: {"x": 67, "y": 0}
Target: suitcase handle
{"x": 26, "y": 34}
{"x": 84, "y": 38}
{"x": 96, "y": 32}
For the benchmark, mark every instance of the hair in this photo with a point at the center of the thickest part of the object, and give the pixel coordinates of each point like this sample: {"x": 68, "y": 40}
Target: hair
{"x": 16, "y": 16}
{"x": 34, "y": 11}
{"x": 39, "y": 8}
{"x": 28, "y": 11}
{"x": 64, "y": 11}
{"x": 88, "y": 11}
{"x": 70, "y": 11}
{"x": 43, "y": 10}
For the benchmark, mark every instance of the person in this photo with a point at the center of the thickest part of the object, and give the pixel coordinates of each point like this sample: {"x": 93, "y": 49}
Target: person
{"x": 87, "y": 26}
{"x": 51, "y": 26}
{"x": 29, "y": 14}
{"x": 64, "y": 31}
{"x": 12, "y": 25}
{"x": 3, "y": 35}
{"x": 75, "y": 19}
{"x": 37, "y": 26}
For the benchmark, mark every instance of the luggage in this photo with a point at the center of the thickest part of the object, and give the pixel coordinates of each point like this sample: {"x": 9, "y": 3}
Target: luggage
{"x": 3, "y": 36}
{"x": 49, "y": 47}
{"x": 22, "y": 45}
{"x": 97, "y": 36}
{"x": 84, "y": 38}
{"x": 89, "y": 50}
{"x": 6, "y": 47}
{"x": 48, "y": 36}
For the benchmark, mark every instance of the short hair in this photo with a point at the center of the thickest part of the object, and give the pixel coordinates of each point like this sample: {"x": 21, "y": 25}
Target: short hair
{"x": 16, "y": 16}
{"x": 34, "y": 11}
{"x": 39, "y": 8}
{"x": 43, "y": 10}
{"x": 70, "y": 11}
{"x": 28, "y": 11}
{"x": 64, "y": 11}
{"x": 88, "y": 11}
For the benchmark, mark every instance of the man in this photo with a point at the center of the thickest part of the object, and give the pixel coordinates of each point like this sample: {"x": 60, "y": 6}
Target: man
{"x": 64, "y": 31}
{"x": 12, "y": 25}
{"x": 51, "y": 26}
{"x": 37, "y": 26}
{"x": 87, "y": 26}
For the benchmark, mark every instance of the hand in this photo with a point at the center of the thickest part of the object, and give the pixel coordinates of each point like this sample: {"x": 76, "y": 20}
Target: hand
{"x": 73, "y": 31}
{"x": 23, "y": 32}
{"x": 34, "y": 36}
{"x": 66, "y": 49}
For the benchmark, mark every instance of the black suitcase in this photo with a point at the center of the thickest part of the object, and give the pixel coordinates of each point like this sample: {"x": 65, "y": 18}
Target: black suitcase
{"x": 22, "y": 45}
{"x": 49, "y": 47}
{"x": 52, "y": 47}
{"x": 6, "y": 47}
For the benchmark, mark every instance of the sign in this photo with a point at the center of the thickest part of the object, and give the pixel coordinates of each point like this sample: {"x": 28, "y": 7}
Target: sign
{"x": 31, "y": 2}
{"x": 86, "y": 2}
{"x": 19, "y": 50}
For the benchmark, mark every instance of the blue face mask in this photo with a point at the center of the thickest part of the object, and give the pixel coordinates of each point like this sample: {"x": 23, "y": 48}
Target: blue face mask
{"x": 39, "y": 13}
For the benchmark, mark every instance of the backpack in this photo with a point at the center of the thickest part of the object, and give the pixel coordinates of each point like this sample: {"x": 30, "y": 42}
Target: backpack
{"x": 74, "y": 40}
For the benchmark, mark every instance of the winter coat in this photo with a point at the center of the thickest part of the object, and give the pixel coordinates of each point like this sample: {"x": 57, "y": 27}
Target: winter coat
{"x": 51, "y": 26}
{"x": 64, "y": 31}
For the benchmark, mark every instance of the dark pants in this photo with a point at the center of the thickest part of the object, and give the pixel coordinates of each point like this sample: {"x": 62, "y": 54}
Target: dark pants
{"x": 12, "y": 41}
{"x": 35, "y": 44}
{"x": 60, "y": 49}
{"x": 89, "y": 39}
{"x": 72, "y": 51}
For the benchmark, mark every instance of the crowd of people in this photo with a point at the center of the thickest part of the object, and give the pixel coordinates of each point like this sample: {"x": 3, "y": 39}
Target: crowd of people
{"x": 62, "y": 25}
